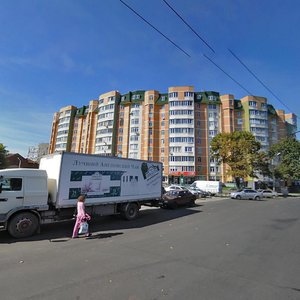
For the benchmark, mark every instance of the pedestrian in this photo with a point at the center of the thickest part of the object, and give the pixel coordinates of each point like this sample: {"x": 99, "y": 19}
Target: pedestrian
{"x": 82, "y": 216}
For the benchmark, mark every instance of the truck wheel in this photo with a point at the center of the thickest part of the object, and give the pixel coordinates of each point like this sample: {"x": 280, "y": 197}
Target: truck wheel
{"x": 130, "y": 212}
{"x": 23, "y": 224}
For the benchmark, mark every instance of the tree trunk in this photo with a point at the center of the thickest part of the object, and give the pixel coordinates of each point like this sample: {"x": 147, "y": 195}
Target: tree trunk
{"x": 237, "y": 182}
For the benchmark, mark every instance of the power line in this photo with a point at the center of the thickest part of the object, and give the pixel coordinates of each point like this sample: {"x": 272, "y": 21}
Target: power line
{"x": 239, "y": 84}
{"x": 178, "y": 47}
{"x": 248, "y": 69}
{"x": 249, "y": 93}
{"x": 188, "y": 25}
{"x": 255, "y": 76}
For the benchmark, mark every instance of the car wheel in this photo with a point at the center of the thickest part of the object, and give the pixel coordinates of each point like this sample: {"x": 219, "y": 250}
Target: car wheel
{"x": 174, "y": 205}
{"x": 238, "y": 197}
{"x": 257, "y": 198}
{"x": 192, "y": 203}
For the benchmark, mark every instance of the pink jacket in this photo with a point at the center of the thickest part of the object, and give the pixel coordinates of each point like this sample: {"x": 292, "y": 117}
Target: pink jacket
{"x": 81, "y": 214}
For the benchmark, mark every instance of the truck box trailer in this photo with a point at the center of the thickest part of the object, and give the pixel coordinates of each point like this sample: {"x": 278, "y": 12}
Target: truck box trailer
{"x": 112, "y": 185}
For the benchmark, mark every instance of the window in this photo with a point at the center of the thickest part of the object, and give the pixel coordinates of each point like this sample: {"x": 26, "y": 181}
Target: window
{"x": 181, "y": 103}
{"x": 133, "y": 147}
{"x": 212, "y": 106}
{"x": 252, "y": 103}
{"x": 134, "y": 129}
{"x": 136, "y": 97}
{"x": 173, "y": 95}
{"x": 188, "y": 94}
{"x": 213, "y": 98}
{"x": 11, "y": 184}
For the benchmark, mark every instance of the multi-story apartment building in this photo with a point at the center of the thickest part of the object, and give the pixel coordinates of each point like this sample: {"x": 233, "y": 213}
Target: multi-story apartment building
{"x": 175, "y": 128}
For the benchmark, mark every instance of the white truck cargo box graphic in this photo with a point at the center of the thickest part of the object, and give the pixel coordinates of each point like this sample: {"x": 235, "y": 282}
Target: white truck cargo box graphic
{"x": 105, "y": 179}
{"x": 96, "y": 184}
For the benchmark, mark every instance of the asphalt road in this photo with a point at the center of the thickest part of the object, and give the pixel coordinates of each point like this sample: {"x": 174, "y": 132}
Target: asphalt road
{"x": 225, "y": 249}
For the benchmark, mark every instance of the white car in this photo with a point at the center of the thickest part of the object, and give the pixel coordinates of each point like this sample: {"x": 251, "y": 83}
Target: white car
{"x": 174, "y": 187}
{"x": 269, "y": 194}
{"x": 247, "y": 194}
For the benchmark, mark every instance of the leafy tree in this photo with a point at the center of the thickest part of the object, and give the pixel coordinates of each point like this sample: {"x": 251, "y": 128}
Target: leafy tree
{"x": 240, "y": 151}
{"x": 288, "y": 153}
{"x": 3, "y": 154}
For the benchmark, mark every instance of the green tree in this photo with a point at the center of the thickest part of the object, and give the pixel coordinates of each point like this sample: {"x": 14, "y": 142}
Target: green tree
{"x": 240, "y": 151}
{"x": 3, "y": 154}
{"x": 288, "y": 153}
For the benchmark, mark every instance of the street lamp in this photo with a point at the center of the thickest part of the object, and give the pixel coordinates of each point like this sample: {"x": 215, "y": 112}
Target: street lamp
{"x": 19, "y": 162}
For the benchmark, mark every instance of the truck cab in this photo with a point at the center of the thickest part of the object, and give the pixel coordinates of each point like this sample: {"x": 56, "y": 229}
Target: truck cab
{"x": 23, "y": 192}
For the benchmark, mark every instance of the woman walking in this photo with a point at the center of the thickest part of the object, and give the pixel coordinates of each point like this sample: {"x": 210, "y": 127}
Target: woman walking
{"x": 82, "y": 216}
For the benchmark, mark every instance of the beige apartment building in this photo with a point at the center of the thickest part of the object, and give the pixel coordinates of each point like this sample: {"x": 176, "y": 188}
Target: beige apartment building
{"x": 174, "y": 127}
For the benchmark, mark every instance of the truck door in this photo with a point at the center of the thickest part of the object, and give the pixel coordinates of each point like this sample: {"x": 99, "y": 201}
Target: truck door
{"x": 12, "y": 194}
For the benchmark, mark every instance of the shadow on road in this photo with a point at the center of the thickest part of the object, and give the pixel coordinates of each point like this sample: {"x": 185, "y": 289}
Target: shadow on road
{"x": 61, "y": 231}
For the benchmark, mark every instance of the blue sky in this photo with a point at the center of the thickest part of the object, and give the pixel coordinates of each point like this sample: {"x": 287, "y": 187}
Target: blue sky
{"x": 67, "y": 52}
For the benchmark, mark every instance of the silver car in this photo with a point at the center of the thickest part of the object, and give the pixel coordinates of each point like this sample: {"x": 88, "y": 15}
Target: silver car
{"x": 247, "y": 194}
{"x": 269, "y": 194}
{"x": 174, "y": 187}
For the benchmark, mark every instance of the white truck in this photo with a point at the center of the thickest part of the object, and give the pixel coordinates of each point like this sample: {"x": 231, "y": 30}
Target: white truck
{"x": 112, "y": 185}
{"x": 213, "y": 187}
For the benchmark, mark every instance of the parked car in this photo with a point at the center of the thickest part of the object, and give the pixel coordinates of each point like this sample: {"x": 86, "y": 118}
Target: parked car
{"x": 174, "y": 187}
{"x": 198, "y": 192}
{"x": 269, "y": 193}
{"x": 247, "y": 194}
{"x": 175, "y": 198}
